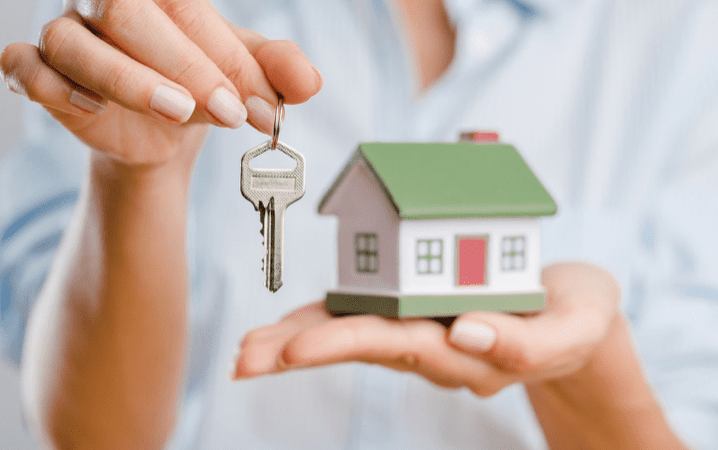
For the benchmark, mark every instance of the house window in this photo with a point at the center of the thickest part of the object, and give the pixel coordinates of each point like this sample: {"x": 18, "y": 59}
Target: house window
{"x": 513, "y": 253}
{"x": 366, "y": 247}
{"x": 429, "y": 255}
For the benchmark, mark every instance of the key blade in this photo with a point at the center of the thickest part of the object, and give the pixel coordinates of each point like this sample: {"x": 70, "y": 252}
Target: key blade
{"x": 272, "y": 248}
{"x": 262, "y": 220}
{"x": 275, "y": 255}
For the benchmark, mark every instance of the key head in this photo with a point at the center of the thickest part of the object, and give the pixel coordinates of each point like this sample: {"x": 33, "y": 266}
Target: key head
{"x": 286, "y": 186}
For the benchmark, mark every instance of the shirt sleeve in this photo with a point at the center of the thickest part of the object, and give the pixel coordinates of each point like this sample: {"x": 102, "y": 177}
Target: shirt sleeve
{"x": 39, "y": 186}
{"x": 674, "y": 295}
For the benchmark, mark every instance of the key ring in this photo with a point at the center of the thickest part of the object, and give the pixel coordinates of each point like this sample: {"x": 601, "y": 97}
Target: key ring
{"x": 278, "y": 121}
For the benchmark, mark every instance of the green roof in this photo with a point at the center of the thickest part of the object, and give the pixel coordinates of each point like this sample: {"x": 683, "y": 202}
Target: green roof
{"x": 424, "y": 181}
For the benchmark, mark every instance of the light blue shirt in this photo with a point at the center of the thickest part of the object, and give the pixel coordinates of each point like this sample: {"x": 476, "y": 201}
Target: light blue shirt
{"x": 614, "y": 104}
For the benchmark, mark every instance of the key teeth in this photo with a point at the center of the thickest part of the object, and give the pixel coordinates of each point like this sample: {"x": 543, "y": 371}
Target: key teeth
{"x": 262, "y": 212}
{"x": 273, "y": 288}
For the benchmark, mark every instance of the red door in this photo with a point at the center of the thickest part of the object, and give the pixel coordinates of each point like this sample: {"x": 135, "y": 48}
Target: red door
{"x": 471, "y": 261}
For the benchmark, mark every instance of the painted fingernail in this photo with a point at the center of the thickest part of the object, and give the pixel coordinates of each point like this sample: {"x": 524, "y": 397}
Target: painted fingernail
{"x": 172, "y": 103}
{"x": 261, "y": 113}
{"x": 472, "y": 336}
{"x": 227, "y": 108}
{"x": 86, "y": 103}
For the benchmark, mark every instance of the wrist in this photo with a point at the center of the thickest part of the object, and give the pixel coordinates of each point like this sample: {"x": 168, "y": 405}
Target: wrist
{"x": 132, "y": 208}
{"x": 140, "y": 175}
{"x": 608, "y": 403}
{"x": 117, "y": 181}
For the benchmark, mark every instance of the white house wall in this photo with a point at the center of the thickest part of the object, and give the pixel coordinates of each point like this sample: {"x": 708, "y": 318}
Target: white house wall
{"x": 363, "y": 208}
{"x": 497, "y": 281}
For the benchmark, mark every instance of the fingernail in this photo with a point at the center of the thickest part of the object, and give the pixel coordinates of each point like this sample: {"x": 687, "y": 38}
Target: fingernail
{"x": 227, "y": 108}
{"x": 261, "y": 113}
{"x": 172, "y": 103}
{"x": 14, "y": 85}
{"x": 472, "y": 336}
{"x": 86, "y": 103}
{"x": 319, "y": 74}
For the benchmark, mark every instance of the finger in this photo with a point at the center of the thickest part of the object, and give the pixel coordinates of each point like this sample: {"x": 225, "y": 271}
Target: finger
{"x": 411, "y": 345}
{"x": 26, "y": 73}
{"x": 552, "y": 343}
{"x": 72, "y": 50}
{"x": 289, "y": 71}
{"x": 259, "y": 350}
{"x": 258, "y": 357}
{"x": 280, "y": 65}
{"x": 515, "y": 344}
{"x": 301, "y": 319}
{"x": 201, "y": 23}
{"x": 143, "y": 31}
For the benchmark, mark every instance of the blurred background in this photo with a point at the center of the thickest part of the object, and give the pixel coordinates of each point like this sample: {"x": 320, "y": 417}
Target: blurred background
{"x": 15, "y": 25}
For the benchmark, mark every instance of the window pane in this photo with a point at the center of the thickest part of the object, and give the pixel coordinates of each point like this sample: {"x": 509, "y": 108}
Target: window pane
{"x": 422, "y": 265}
{"x": 435, "y": 265}
{"x": 519, "y": 244}
{"x": 436, "y": 247}
{"x": 506, "y": 245}
{"x": 422, "y": 248}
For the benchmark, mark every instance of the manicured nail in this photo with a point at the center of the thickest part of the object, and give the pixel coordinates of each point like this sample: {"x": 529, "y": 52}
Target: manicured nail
{"x": 86, "y": 103}
{"x": 227, "y": 108}
{"x": 472, "y": 336}
{"x": 261, "y": 113}
{"x": 172, "y": 103}
{"x": 319, "y": 75}
{"x": 14, "y": 85}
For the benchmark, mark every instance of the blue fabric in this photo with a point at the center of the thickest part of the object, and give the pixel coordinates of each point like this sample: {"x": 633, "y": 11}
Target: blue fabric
{"x": 612, "y": 104}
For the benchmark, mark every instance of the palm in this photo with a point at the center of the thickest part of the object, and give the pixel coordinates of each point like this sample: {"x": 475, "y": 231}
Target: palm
{"x": 135, "y": 138}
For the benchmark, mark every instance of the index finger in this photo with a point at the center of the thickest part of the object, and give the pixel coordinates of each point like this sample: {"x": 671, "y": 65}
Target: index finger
{"x": 259, "y": 71}
{"x": 145, "y": 33}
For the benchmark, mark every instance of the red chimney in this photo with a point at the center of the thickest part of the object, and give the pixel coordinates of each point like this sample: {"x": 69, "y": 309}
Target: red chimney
{"x": 479, "y": 136}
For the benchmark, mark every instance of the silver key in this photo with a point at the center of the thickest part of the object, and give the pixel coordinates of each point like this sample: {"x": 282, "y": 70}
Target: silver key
{"x": 271, "y": 192}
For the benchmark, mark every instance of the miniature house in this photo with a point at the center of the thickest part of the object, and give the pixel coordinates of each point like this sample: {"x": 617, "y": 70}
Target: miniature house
{"x": 431, "y": 230}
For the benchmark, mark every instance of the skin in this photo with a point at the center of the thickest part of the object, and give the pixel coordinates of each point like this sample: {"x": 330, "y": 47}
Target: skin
{"x": 105, "y": 344}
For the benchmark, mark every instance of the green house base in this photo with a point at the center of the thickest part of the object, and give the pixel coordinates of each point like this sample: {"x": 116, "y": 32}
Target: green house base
{"x": 395, "y": 306}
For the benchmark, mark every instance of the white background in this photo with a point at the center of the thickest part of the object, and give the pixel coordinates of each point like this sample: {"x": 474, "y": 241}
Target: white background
{"x": 15, "y": 18}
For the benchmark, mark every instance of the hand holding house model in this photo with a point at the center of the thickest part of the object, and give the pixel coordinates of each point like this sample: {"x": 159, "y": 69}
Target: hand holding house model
{"x": 432, "y": 230}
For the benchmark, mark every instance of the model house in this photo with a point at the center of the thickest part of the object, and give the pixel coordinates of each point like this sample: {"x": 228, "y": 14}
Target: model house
{"x": 430, "y": 230}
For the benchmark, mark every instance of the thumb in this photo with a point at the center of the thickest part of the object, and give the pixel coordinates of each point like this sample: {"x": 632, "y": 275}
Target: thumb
{"x": 502, "y": 339}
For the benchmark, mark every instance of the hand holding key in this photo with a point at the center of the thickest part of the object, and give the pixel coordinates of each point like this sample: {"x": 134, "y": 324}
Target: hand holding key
{"x": 139, "y": 80}
{"x": 271, "y": 192}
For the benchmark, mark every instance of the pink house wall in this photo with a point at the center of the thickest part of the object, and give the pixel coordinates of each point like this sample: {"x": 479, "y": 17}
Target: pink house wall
{"x": 362, "y": 208}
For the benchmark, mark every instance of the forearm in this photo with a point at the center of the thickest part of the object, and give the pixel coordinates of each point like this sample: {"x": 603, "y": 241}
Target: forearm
{"x": 607, "y": 404}
{"x": 104, "y": 351}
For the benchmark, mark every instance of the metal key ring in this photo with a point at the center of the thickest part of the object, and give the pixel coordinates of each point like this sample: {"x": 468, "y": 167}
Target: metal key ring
{"x": 278, "y": 121}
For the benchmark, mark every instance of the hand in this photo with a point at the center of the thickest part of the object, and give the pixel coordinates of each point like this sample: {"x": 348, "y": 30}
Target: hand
{"x": 483, "y": 351}
{"x": 140, "y": 80}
